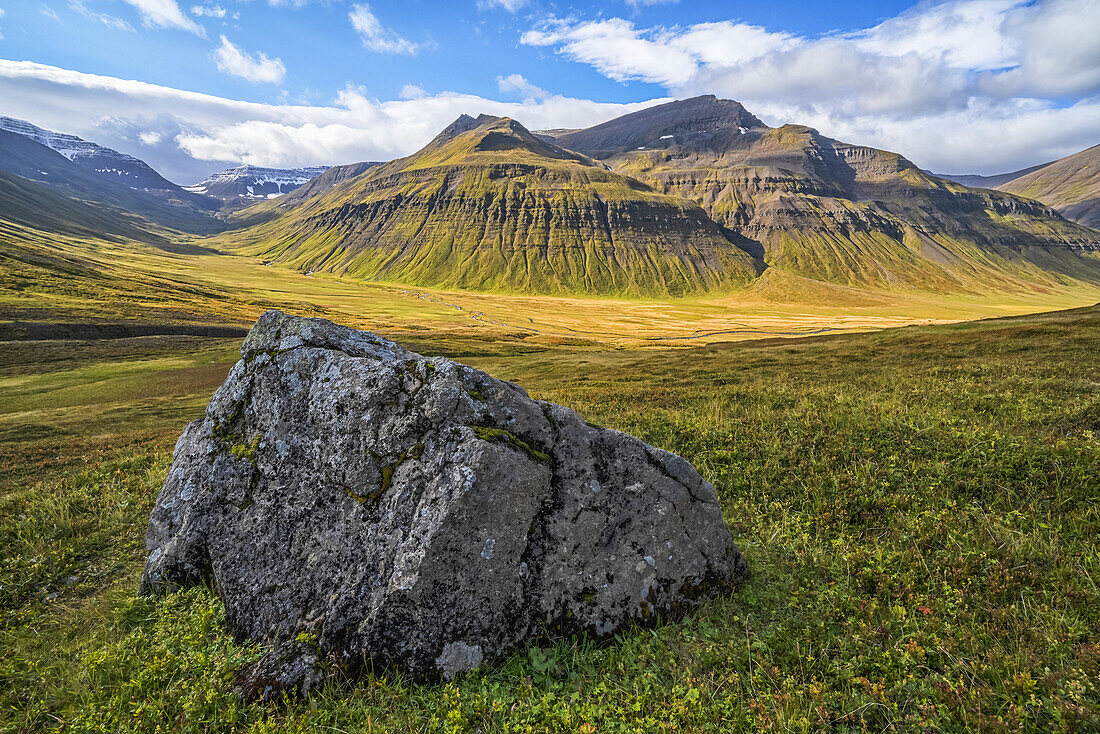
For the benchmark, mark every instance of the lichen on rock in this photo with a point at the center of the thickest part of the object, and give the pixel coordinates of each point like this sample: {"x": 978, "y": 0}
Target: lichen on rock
{"x": 417, "y": 513}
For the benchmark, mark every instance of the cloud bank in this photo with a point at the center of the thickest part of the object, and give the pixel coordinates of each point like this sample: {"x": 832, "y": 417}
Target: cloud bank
{"x": 188, "y": 135}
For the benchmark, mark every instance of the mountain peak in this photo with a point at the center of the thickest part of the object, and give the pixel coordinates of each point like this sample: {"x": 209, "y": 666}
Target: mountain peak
{"x": 463, "y": 124}
{"x": 665, "y": 124}
{"x": 477, "y": 138}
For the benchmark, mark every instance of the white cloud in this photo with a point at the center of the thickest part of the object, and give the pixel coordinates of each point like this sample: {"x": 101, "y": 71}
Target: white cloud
{"x": 966, "y": 34}
{"x": 208, "y": 11}
{"x": 412, "y": 91}
{"x": 232, "y": 60}
{"x": 511, "y": 6}
{"x": 150, "y": 137}
{"x": 954, "y": 85}
{"x": 164, "y": 14}
{"x": 662, "y": 56}
{"x": 110, "y": 21}
{"x": 49, "y": 12}
{"x": 518, "y": 83}
{"x": 201, "y": 133}
{"x": 375, "y": 37}
{"x": 1058, "y": 50}
{"x": 643, "y": 3}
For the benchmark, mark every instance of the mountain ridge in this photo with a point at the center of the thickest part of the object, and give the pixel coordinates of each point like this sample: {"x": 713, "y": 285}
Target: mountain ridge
{"x": 487, "y": 205}
{"x": 834, "y": 211}
{"x": 254, "y": 182}
{"x": 995, "y": 181}
{"x": 32, "y": 161}
{"x": 1071, "y": 185}
{"x": 119, "y": 167}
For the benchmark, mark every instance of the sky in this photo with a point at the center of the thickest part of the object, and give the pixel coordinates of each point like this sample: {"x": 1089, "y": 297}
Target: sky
{"x": 196, "y": 86}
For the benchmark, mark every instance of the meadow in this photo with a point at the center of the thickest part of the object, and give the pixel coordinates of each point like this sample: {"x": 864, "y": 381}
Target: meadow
{"x": 60, "y": 279}
{"x": 919, "y": 507}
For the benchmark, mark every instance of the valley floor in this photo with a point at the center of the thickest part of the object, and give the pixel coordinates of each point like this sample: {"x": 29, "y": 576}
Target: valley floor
{"x": 51, "y": 279}
{"x": 920, "y": 509}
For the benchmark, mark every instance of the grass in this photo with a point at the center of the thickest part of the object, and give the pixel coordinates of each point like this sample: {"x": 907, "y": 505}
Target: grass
{"x": 920, "y": 509}
{"x": 68, "y": 280}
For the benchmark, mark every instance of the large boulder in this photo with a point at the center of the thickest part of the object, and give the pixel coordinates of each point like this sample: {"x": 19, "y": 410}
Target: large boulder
{"x": 396, "y": 510}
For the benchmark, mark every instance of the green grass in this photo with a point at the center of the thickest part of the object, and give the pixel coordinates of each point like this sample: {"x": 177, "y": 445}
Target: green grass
{"x": 920, "y": 509}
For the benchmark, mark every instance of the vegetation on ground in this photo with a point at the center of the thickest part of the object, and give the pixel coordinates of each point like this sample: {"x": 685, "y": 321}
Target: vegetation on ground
{"x": 57, "y": 279}
{"x": 920, "y": 509}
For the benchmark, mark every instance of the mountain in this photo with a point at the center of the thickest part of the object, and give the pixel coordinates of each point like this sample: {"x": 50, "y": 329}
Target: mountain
{"x": 118, "y": 167}
{"x": 1071, "y": 185}
{"x": 253, "y": 182}
{"x": 837, "y": 212}
{"x": 488, "y": 206}
{"x": 995, "y": 181}
{"x": 25, "y": 158}
{"x": 684, "y": 123}
{"x": 39, "y": 207}
{"x": 326, "y": 181}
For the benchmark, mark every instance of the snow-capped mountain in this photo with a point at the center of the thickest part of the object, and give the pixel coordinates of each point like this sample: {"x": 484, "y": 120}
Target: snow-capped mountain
{"x": 111, "y": 164}
{"x": 253, "y": 182}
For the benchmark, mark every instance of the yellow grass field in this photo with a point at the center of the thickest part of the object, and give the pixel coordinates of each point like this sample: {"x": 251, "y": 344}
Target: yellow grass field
{"x": 136, "y": 283}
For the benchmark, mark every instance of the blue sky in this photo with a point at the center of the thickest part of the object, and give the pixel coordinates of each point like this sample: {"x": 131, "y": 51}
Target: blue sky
{"x": 960, "y": 86}
{"x": 462, "y": 46}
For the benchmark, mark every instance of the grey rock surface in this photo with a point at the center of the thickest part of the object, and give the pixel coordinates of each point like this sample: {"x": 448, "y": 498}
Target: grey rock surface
{"x": 416, "y": 513}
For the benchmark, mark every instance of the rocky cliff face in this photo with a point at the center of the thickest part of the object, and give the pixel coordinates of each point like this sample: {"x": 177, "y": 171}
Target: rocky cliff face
{"x": 489, "y": 206}
{"x": 399, "y": 511}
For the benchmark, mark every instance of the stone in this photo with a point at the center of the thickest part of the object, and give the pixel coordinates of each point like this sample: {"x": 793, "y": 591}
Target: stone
{"x": 292, "y": 668}
{"x": 415, "y": 513}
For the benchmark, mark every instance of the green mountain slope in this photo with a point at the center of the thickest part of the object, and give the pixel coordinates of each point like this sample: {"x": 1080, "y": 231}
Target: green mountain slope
{"x": 836, "y": 212}
{"x": 36, "y": 206}
{"x": 489, "y": 206}
{"x": 1071, "y": 185}
{"x": 25, "y": 158}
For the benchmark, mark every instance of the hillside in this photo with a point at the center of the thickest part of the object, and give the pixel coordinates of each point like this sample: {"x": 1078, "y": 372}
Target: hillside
{"x": 488, "y": 206}
{"x": 27, "y": 159}
{"x": 37, "y": 206}
{"x": 976, "y": 181}
{"x": 1071, "y": 185}
{"x": 836, "y": 212}
{"x": 326, "y": 181}
{"x": 106, "y": 162}
{"x": 113, "y": 167}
